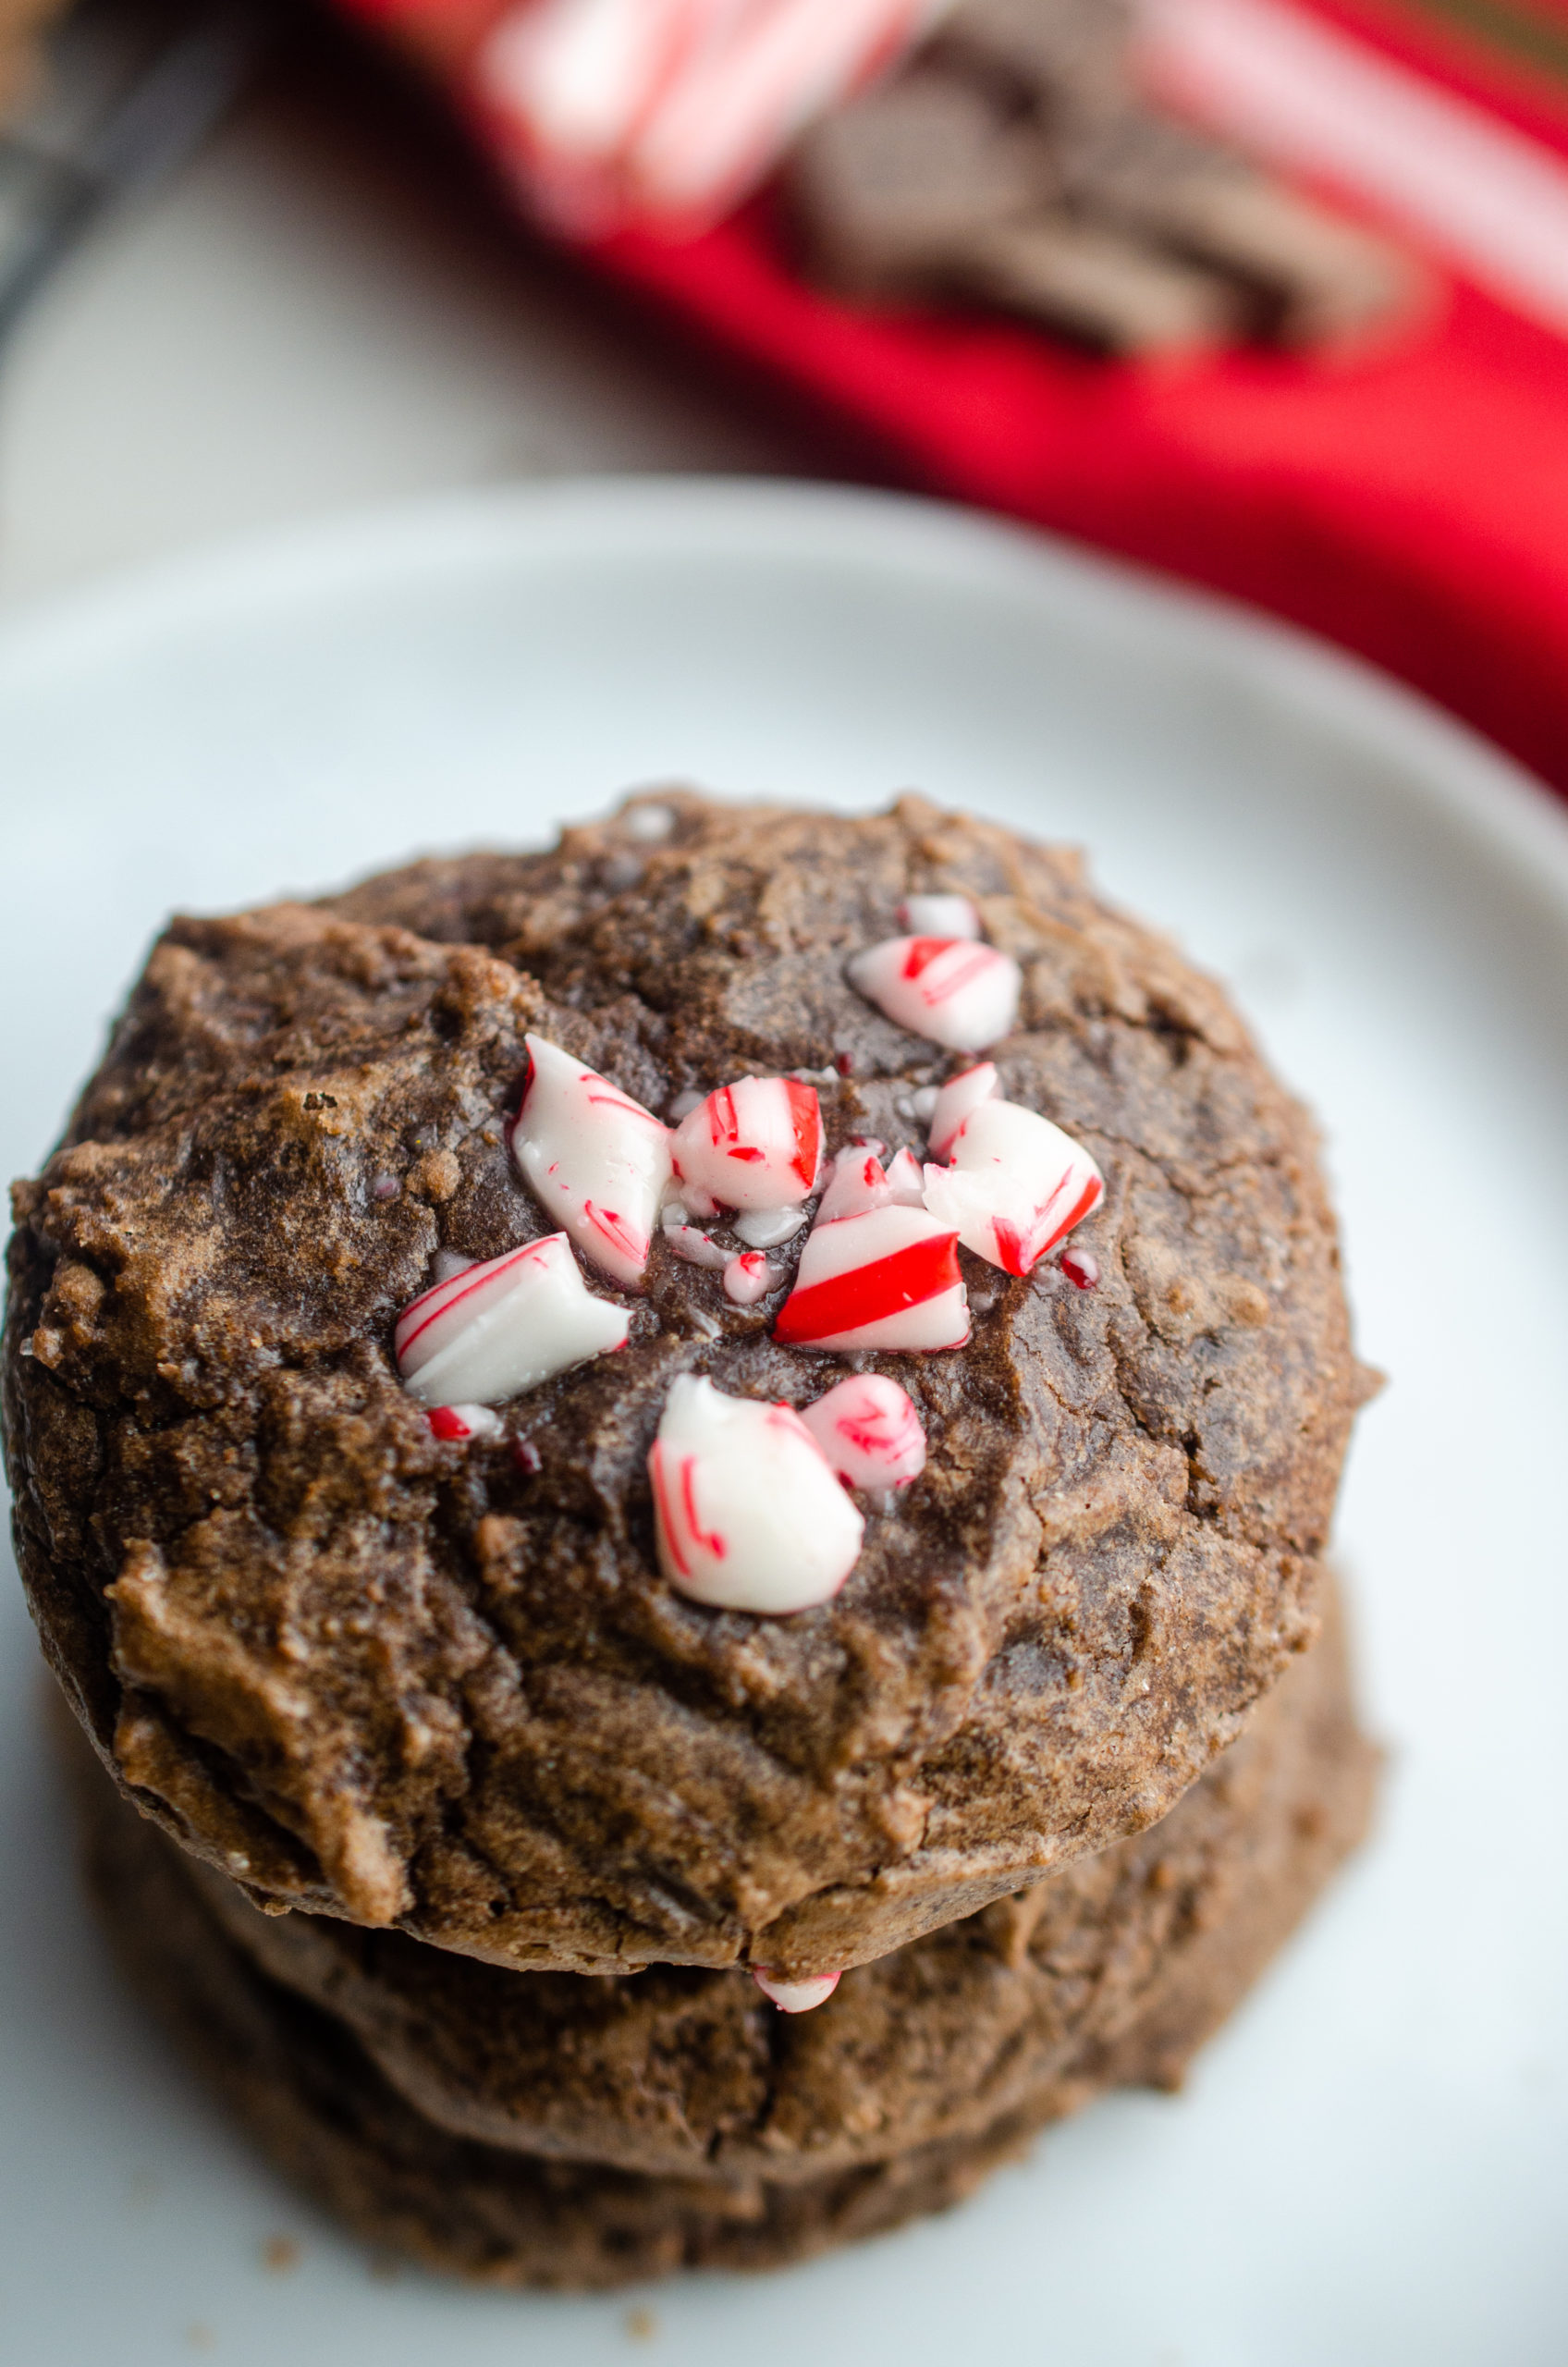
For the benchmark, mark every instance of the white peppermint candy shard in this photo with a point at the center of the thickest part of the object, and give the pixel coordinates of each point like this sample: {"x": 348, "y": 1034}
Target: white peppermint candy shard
{"x": 597, "y": 1159}
{"x": 765, "y": 1228}
{"x": 939, "y": 916}
{"x": 905, "y": 1181}
{"x": 497, "y": 1328}
{"x": 1015, "y": 1187}
{"x": 947, "y": 988}
{"x": 954, "y": 1102}
{"x": 754, "y": 1145}
{"x": 796, "y": 1996}
{"x": 747, "y": 1515}
{"x": 889, "y": 1278}
{"x": 869, "y": 1431}
{"x": 748, "y": 1278}
{"x": 856, "y": 1183}
{"x": 691, "y": 1244}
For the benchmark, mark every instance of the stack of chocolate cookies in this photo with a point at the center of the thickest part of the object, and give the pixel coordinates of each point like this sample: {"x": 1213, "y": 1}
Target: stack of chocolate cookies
{"x": 487, "y": 1866}
{"x": 1017, "y": 163}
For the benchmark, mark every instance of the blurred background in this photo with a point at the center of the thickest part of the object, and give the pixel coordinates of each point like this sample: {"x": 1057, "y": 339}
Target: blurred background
{"x": 1270, "y": 294}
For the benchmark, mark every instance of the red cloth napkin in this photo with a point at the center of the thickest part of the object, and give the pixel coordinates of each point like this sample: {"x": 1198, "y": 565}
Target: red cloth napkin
{"x": 1413, "y": 507}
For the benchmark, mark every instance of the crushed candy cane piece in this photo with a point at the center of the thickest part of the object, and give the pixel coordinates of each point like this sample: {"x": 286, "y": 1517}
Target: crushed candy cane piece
{"x": 889, "y": 1278}
{"x": 648, "y": 822}
{"x": 756, "y": 1144}
{"x": 856, "y": 1183}
{"x": 527, "y": 1457}
{"x": 869, "y": 1431}
{"x": 694, "y": 1246}
{"x": 922, "y": 1102}
{"x": 939, "y": 916}
{"x": 796, "y": 1996}
{"x": 1016, "y": 1186}
{"x": 503, "y": 1327}
{"x": 1082, "y": 1268}
{"x": 448, "y": 1262}
{"x": 748, "y": 1278}
{"x": 459, "y": 1422}
{"x": 954, "y": 1102}
{"x": 597, "y": 1159}
{"x": 905, "y": 1181}
{"x": 765, "y": 1228}
{"x": 948, "y": 989}
{"x": 747, "y": 1515}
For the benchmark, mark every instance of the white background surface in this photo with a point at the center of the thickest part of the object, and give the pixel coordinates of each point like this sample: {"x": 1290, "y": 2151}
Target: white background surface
{"x": 1371, "y": 2163}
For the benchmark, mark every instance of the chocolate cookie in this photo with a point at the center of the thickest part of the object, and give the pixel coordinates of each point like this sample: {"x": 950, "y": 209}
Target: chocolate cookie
{"x": 674, "y": 2120}
{"x": 442, "y": 1683}
{"x": 679, "y": 2073}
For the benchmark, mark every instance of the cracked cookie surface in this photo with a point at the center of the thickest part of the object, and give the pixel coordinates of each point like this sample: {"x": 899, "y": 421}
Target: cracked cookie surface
{"x": 377, "y": 1675}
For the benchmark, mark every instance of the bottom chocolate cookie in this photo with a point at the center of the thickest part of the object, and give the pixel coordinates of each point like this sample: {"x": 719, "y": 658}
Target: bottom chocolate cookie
{"x": 869, "y": 2113}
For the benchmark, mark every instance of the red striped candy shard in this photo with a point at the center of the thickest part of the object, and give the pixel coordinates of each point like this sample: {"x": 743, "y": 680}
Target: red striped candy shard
{"x": 939, "y": 916}
{"x": 460, "y": 1423}
{"x": 796, "y": 1996}
{"x": 869, "y": 1431}
{"x": 747, "y": 1515}
{"x": 885, "y": 1280}
{"x": 503, "y": 1327}
{"x": 748, "y": 1278}
{"x": 1016, "y": 1186}
{"x": 593, "y": 1157}
{"x": 947, "y": 988}
{"x": 856, "y": 1183}
{"x": 756, "y": 1144}
{"x": 954, "y": 1102}
{"x": 905, "y": 1181}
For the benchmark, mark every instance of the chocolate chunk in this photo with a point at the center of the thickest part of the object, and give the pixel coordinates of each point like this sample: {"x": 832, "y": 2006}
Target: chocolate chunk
{"x": 1098, "y": 286}
{"x": 888, "y": 188}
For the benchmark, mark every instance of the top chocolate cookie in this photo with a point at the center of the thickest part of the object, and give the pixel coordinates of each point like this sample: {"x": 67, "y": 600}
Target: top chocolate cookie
{"x": 449, "y": 1671}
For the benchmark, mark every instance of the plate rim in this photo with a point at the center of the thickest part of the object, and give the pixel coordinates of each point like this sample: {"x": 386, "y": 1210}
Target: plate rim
{"x": 1487, "y": 792}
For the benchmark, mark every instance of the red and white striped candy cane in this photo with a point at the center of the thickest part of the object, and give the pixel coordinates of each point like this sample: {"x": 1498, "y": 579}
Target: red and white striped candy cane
{"x": 597, "y": 1159}
{"x": 492, "y": 1331}
{"x": 889, "y": 1278}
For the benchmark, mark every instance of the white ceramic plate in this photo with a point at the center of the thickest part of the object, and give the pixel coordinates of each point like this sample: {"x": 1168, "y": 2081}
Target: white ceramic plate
{"x": 1369, "y": 2164}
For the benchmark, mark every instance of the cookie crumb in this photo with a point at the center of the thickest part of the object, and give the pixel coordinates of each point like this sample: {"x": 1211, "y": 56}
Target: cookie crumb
{"x": 280, "y": 2254}
{"x": 641, "y": 2326}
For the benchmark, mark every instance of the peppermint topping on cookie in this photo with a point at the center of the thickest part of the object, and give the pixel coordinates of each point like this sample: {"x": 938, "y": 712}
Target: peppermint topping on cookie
{"x": 597, "y": 1159}
{"x": 939, "y": 916}
{"x": 889, "y": 1278}
{"x": 766, "y": 1228}
{"x": 947, "y": 988}
{"x": 747, "y": 1514}
{"x": 497, "y": 1328}
{"x": 689, "y": 1242}
{"x": 748, "y": 1278}
{"x": 856, "y": 1183}
{"x": 796, "y": 1996}
{"x": 754, "y": 1145}
{"x": 1015, "y": 1187}
{"x": 869, "y": 1431}
{"x": 459, "y": 1423}
{"x": 954, "y": 1102}
{"x": 905, "y": 1181}
{"x": 1082, "y": 1268}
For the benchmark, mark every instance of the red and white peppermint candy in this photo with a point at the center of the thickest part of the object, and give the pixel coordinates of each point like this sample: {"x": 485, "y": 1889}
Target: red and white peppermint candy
{"x": 939, "y": 916}
{"x": 754, "y": 1144}
{"x": 954, "y": 1102}
{"x": 796, "y": 1996}
{"x": 497, "y": 1328}
{"x": 1015, "y": 1187}
{"x": 905, "y": 1181}
{"x": 747, "y": 1515}
{"x": 857, "y": 1183}
{"x": 947, "y": 988}
{"x": 869, "y": 1431}
{"x": 597, "y": 1159}
{"x": 670, "y": 110}
{"x": 889, "y": 1278}
{"x": 748, "y": 1278}
{"x": 459, "y": 1423}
